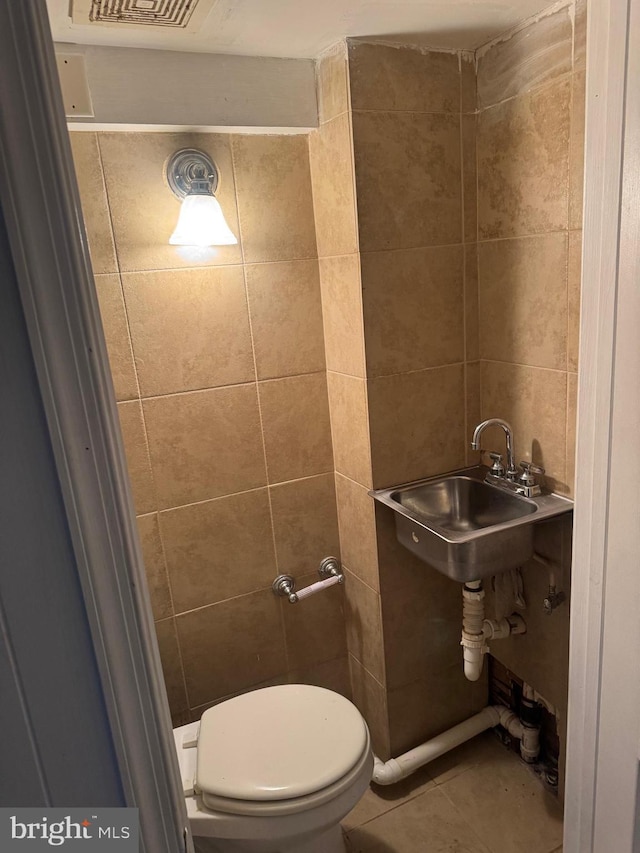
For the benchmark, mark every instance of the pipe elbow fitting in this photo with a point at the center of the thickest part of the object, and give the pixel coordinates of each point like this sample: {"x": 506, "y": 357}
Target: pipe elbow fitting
{"x": 386, "y": 773}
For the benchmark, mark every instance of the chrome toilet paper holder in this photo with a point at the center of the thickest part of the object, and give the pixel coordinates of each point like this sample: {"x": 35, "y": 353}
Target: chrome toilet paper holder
{"x": 330, "y": 574}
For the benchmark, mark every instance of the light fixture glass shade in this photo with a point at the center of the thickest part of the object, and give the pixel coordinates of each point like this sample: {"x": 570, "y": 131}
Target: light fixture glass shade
{"x": 202, "y": 223}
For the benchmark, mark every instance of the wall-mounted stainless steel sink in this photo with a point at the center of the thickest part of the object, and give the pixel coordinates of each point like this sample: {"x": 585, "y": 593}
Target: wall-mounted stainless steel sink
{"x": 466, "y": 528}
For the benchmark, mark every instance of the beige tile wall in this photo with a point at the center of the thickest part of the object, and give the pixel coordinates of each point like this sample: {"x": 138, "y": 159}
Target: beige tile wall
{"x": 530, "y": 164}
{"x": 456, "y": 299}
{"x": 218, "y": 364}
{"x": 397, "y": 140}
{"x": 414, "y": 147}
{"x": 530, "y": 169}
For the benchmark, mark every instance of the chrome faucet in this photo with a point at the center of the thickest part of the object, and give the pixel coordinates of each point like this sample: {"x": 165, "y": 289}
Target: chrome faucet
{"x": 521, "y": 481}
{"x": 511, "y": 472}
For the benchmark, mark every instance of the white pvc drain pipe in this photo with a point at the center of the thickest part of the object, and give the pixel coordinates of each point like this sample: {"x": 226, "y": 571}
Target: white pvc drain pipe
{"x": 392, "y": 771}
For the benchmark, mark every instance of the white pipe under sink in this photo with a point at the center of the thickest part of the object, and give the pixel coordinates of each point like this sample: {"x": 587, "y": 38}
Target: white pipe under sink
{"x": 476, "y": 630}
{"x": 392, "y": 771}
{"x": 473, "y": 640}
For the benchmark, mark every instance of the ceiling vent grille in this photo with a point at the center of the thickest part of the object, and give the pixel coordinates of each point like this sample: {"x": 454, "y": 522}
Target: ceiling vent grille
{"x": 150, "y": 13}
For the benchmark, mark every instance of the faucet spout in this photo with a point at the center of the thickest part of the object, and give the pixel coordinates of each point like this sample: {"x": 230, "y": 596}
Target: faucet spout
{"x": 475, "y": 441}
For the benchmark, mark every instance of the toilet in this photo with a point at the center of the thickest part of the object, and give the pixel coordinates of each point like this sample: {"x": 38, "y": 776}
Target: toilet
{"x": 274, "y": 771}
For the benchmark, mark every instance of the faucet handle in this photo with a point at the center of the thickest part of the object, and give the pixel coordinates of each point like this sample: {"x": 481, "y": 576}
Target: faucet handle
{"x": 497, "y": 469}
{"x": 527, "y": 478}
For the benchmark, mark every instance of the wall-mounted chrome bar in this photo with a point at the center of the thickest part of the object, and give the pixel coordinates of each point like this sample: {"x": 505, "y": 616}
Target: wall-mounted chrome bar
{"x": 329, "y": 571}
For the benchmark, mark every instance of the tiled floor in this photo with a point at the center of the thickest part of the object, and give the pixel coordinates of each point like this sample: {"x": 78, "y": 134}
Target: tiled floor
{"x": 480, "y": 798}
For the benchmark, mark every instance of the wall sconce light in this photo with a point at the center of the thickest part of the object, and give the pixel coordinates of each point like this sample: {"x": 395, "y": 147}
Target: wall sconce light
{"x": 193, "y": 178}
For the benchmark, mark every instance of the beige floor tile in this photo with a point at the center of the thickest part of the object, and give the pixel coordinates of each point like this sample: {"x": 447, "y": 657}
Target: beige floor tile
{"x": 428, "y": 822}
{"x": 507, "y": 806}
{"x": 465, "y": 757}
{"x": 378, "y": 799}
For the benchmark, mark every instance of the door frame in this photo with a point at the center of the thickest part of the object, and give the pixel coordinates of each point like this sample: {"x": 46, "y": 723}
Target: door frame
{"x": 41, "y": 205}
{"x": 604, "y": 675}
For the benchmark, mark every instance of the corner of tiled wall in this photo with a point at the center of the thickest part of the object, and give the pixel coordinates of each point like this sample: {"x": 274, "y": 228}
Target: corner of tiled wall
{"x": 333, "y": 179}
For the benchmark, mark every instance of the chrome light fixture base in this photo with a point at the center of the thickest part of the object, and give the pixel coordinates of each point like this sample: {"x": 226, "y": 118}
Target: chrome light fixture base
{"x": 190, "y": 171}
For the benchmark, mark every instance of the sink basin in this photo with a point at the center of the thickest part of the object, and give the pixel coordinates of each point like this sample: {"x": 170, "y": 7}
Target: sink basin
{"x": 466, "y": 528}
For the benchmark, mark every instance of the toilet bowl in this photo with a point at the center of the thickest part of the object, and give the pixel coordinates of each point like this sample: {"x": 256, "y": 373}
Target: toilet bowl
{"x": 274, "y": 771}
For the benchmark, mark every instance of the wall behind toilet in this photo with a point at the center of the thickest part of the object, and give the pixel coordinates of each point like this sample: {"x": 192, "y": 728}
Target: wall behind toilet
{"x": 218, "y": 365}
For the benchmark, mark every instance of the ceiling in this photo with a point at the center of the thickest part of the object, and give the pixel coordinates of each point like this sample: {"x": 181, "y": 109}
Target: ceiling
{"x": 304, "y": 28}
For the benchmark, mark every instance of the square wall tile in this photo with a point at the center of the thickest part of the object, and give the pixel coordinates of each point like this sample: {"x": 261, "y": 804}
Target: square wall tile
{"x": 342, "y": 312}
{"x": 408, "y": 179}
{"x": 332, "y": 675}
{"x": 286, "y": 318}
{"x": 215, "y": 663}
{"x": 143, "y": 209}
{"x": 296, "y": 426}
{"x": 332, "y": 174}
{"x": 523, "y": 300}
{"x": 189, "y": 328}
{"x": 95, "y": 209}
{"x": 274, "y": 197}
{"x": 429, "y": 706}
{"x": 154, "y": 566}
{"x": 314, "y": 629}
{"x": 205, "y": 444}
{"x": 531, "y": 56}
{"x": 332, "y": 82}
{"x": 137, "y": 454}
{"x": 575, "y": 286}
{"x": 413, "y": 308}
{"x": 421, "y": 610}
{"x": 116, "y": 333}
{"x": 356, "y": 519}
{"x": 171, "y": 665}
{"x": 417, "y": 424}
{"x": 422, "y": 640}
{"x": 534, "y": 402}
{"x": 305, "y": 524}
{"x": 364, "y": 625}
{"x": 387, "y": 77}
{"x": 471, "y": 307}
{"x": 576, "y": 171}
{"x": 370, "y": 698}
{"x": 219, "y": 549}
{"x": 523, "y": 164}
{"x": 350, "y": 427}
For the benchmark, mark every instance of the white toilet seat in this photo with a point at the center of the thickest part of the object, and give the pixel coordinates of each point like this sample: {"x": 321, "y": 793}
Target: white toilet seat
{"x": 277, "y": 744}
{"x": 262, "y": 808}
